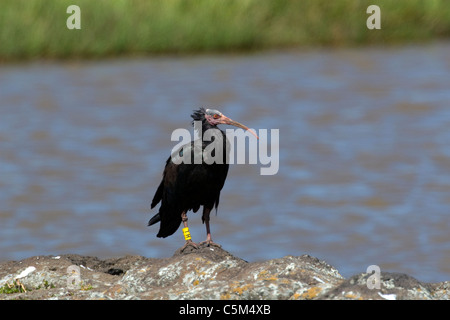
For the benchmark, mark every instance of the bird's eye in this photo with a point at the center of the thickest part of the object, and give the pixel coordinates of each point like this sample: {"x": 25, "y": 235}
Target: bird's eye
{"x": 216, "y": 116}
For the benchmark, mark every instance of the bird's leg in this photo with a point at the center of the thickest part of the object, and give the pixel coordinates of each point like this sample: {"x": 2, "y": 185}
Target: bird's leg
{"x": 189, "y": 242}
{"x": 208, "y": 242}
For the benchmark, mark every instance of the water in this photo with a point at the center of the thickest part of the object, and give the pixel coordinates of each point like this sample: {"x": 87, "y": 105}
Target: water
{"x": 364, "y": 174}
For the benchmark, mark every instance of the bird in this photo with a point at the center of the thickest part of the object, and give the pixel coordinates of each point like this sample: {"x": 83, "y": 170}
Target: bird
{"x": 188, "y": 185}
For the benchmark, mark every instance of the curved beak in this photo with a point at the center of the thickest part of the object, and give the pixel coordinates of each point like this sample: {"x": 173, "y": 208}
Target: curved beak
{"x": 226, "y": 120}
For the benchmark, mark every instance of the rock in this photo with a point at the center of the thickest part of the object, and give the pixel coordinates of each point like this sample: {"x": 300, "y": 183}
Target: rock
{"x": 393, "y": 286}
{"x": 208, "y": 273}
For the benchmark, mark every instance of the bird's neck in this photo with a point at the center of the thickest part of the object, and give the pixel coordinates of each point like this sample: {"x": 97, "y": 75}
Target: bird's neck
{"x": 207, "y": 126}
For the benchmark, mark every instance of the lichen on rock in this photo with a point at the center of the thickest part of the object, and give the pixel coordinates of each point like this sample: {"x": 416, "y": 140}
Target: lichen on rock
{"x": 204, "y": 274}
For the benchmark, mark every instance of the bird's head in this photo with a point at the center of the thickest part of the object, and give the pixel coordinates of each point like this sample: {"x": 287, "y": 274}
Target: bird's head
{"x": 215, "y": 117}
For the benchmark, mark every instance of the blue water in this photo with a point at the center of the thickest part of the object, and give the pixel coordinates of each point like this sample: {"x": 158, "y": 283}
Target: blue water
{"x": 364, "y": 161}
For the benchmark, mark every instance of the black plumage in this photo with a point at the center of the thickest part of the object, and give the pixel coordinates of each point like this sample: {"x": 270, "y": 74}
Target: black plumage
{"x": 187, "y": 186}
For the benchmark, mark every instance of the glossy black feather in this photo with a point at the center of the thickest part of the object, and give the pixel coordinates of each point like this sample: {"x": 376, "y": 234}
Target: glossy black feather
{"x": 186, "y": 187}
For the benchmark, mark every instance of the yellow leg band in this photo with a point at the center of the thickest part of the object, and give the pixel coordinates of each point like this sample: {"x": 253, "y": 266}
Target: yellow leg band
{"x": 187, "y": 235}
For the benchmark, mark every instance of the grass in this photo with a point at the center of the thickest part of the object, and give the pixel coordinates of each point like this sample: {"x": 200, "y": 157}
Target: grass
{"x": 18, "y": 287}
{"x": 15, "y": 287}
{"x": 37, "y": 28}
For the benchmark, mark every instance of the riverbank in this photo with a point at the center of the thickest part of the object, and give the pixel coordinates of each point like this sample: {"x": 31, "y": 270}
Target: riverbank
{"x": 32, "y": 29}
{"x": 206, "y": 274}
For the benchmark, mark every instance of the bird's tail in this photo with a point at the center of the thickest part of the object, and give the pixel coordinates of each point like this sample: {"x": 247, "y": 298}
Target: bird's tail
{"x": 156, "y": 218}
{"x": 167, "y": 226}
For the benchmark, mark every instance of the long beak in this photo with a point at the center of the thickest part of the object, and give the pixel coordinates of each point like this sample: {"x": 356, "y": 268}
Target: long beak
{"x": 227, "y": 120}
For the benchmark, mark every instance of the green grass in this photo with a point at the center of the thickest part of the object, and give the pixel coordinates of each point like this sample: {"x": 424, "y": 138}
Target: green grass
{"x": 18, "y": 287}
{"x": 37, "y": 28}
{"x": 12, "y": 288}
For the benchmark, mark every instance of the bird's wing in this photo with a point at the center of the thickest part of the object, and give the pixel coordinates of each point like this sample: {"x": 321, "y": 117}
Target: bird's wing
{"x": 159, "y": 192}
{"x": 174, "y": 171}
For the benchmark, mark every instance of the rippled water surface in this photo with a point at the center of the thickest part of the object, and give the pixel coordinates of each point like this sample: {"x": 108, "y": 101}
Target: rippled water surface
{"x": 364, "y": 171}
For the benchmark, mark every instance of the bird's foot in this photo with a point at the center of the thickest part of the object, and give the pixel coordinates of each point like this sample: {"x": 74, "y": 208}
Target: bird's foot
{"x": 210, "y": 243}
{"x": 191, "y": 244}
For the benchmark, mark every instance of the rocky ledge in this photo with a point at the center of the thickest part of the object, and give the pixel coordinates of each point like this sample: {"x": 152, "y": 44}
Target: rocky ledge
{"x": 206, "y": 273}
